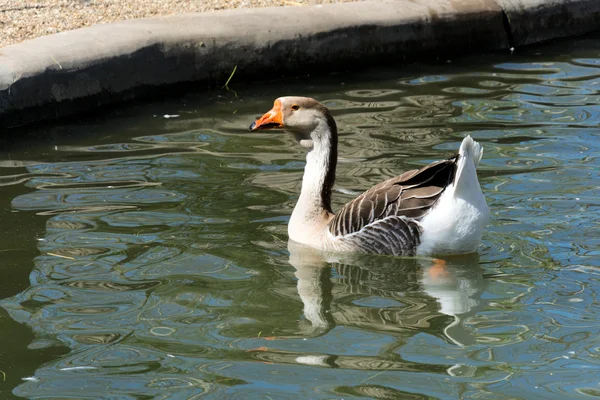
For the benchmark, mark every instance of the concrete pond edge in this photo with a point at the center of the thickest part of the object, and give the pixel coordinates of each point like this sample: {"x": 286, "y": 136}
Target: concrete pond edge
{"x": 76, "y": 71}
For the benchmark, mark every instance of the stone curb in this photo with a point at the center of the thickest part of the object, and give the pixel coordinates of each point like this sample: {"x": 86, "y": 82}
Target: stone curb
{"x": 79, "y": 70}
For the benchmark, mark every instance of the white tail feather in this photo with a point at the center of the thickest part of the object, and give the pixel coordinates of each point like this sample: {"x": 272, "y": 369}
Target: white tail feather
{"x": 471, "y": 149}
{"x": 456, "y": 223}
{"x": 470, "y": 154}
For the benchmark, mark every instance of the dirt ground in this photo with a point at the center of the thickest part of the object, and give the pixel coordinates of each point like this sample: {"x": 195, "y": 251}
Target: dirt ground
{"x": 22, "y": 20}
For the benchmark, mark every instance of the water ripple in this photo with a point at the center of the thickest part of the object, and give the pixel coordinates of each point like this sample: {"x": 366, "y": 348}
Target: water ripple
{"x": 158, "y": 251}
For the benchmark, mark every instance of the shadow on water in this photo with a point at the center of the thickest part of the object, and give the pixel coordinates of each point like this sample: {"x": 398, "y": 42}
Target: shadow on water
{"x": 147, "y": 254}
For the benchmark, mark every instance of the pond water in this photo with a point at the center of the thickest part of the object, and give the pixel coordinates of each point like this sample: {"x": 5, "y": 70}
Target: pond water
{"x": 146, "y": 257}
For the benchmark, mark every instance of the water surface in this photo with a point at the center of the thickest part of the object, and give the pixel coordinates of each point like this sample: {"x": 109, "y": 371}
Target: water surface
{"x": 146, "y": 257}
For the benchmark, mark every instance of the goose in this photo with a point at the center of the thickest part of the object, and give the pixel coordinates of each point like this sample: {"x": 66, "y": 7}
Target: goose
{"x": 438, "y": 209}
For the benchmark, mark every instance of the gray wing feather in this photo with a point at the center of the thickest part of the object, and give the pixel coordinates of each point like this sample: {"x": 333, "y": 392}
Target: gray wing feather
{"x": 367, "y": 220}
{"x": 392, "y": 235}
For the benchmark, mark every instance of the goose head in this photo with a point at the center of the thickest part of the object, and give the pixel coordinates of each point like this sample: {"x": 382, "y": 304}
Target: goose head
{"x": 305, "y": 118}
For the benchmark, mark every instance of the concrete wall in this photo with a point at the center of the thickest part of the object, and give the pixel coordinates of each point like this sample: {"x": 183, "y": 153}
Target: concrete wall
{"x": 75, "y": 71}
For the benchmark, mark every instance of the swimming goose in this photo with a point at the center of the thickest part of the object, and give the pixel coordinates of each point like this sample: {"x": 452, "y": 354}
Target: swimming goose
{"x": 438, "y": 209}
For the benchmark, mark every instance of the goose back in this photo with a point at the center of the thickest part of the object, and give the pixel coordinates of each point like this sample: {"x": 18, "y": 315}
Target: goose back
{"x": 410, "y": 196}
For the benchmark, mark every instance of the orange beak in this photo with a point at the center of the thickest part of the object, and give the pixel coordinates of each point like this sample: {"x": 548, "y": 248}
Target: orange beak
{"x": 271, "y": 120}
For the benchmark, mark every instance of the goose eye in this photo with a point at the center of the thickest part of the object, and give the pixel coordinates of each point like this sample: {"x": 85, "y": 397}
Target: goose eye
{"x": 295, "y": 107}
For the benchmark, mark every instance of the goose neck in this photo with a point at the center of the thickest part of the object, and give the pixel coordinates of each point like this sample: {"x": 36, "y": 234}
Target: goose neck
{"x": 313, "y": 209}
{"x": 321, "y": 162}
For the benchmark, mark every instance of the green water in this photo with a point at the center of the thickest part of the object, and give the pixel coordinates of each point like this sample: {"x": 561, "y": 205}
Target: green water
{"x": 146, "y": 257}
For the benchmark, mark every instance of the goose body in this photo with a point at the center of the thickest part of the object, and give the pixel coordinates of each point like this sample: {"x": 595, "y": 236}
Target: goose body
{"x": 438, "y": 209}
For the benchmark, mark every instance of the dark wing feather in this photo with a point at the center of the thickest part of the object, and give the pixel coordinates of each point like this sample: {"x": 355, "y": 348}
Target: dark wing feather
{"x": 395, "y": 235}
{"x": 410, "y": 195}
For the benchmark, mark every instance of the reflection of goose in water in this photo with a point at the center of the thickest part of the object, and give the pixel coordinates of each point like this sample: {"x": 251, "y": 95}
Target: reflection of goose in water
{"x": 396, "y": 295}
